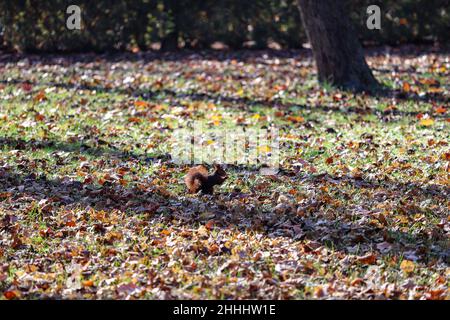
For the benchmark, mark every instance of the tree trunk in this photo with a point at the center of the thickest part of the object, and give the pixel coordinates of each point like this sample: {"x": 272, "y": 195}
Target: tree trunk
{"x": 170, "y": 42}
{"x": 337, "y": 52}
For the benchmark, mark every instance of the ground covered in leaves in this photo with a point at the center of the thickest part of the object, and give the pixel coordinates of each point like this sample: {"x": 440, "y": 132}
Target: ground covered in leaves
{"x": 92, "y": 206}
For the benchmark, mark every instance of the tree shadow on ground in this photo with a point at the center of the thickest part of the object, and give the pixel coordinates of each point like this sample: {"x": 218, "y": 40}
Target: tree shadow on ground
{"x": 279, "y": 104}
{"x": 244, "y": 102}
{"x": 357, "y": 235}
{"x": 187, "y": 55}
{"x": 260, "y": 57}
{"x": 100, "y": 148}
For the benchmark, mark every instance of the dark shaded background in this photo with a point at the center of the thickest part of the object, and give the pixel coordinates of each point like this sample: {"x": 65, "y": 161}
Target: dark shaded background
{"x": 36, "y": 25}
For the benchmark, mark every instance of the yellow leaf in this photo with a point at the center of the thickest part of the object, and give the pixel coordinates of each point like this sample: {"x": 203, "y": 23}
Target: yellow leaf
{"x": 264, "y": 149}
{"x": 407, "y": 266}
{"x": 216, "y": 119}
{"x": 426, "y": 122}
{"x": 435, "y": 90}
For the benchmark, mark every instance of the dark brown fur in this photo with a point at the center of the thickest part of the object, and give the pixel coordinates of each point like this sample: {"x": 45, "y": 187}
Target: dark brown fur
{"x": 198, "y": 179}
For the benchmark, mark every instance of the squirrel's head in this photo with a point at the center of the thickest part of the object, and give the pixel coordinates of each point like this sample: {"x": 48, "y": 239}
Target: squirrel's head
{"x": 219, "y": 172}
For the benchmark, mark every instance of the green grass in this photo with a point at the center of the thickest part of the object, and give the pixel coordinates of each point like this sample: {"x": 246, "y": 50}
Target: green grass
{"x": 87, "y": 177}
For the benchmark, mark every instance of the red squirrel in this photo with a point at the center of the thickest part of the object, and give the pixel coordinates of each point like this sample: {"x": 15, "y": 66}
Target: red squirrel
{"x": 198, "y": 179}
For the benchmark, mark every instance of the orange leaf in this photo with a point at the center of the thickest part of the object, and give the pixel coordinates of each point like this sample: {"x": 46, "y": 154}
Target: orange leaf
{"x": 441, "y": 110}
{"x": 134, "y": 120}
{"x": 370, "y": 258}
{"x": 10, "y": 295}
{"x": 141, "y": 104}
{"x": 406, "y": 87}
{"x": 213, "y": 249}
{"x": 88, "y": 283}
{"x": 165, "y": 232}
{"x": 122, "y": 170}
{"x": 390, "y": 108}
{"x": 318, "y": 292}
{"x": 4, "y": 195}
{"x": 436, "y": 294}
{"x": 357, "y": 282}
{"x": 71, "y": 223}
{"x": 40, "y": 96}
{"x": 210, "y": 224}
{"x": 296, "y": 119}
{"x": 39, "y": 117}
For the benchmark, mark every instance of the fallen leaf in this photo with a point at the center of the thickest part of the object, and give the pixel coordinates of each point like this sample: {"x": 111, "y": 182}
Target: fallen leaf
{"x": 88, "y": 283}
{"x": 406, "y": 87}
{"x": 370, "y": 258}
{"x": 426, "y": 122}
{"x": 407, "y": 266}
{"x": 10, "y": 295}
{"x": 440, "y": 110}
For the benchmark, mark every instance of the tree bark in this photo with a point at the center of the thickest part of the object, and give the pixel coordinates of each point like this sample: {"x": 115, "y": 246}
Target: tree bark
{"x": 336, "y": 49}
{"x": 170, "y": 42}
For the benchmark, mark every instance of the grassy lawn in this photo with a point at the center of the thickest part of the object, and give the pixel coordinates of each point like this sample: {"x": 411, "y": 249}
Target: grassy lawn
{"x": 92, "y": 206}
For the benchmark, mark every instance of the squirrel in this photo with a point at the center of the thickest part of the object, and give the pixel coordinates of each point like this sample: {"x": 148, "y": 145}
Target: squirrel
{"x": 198, "y": 179}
